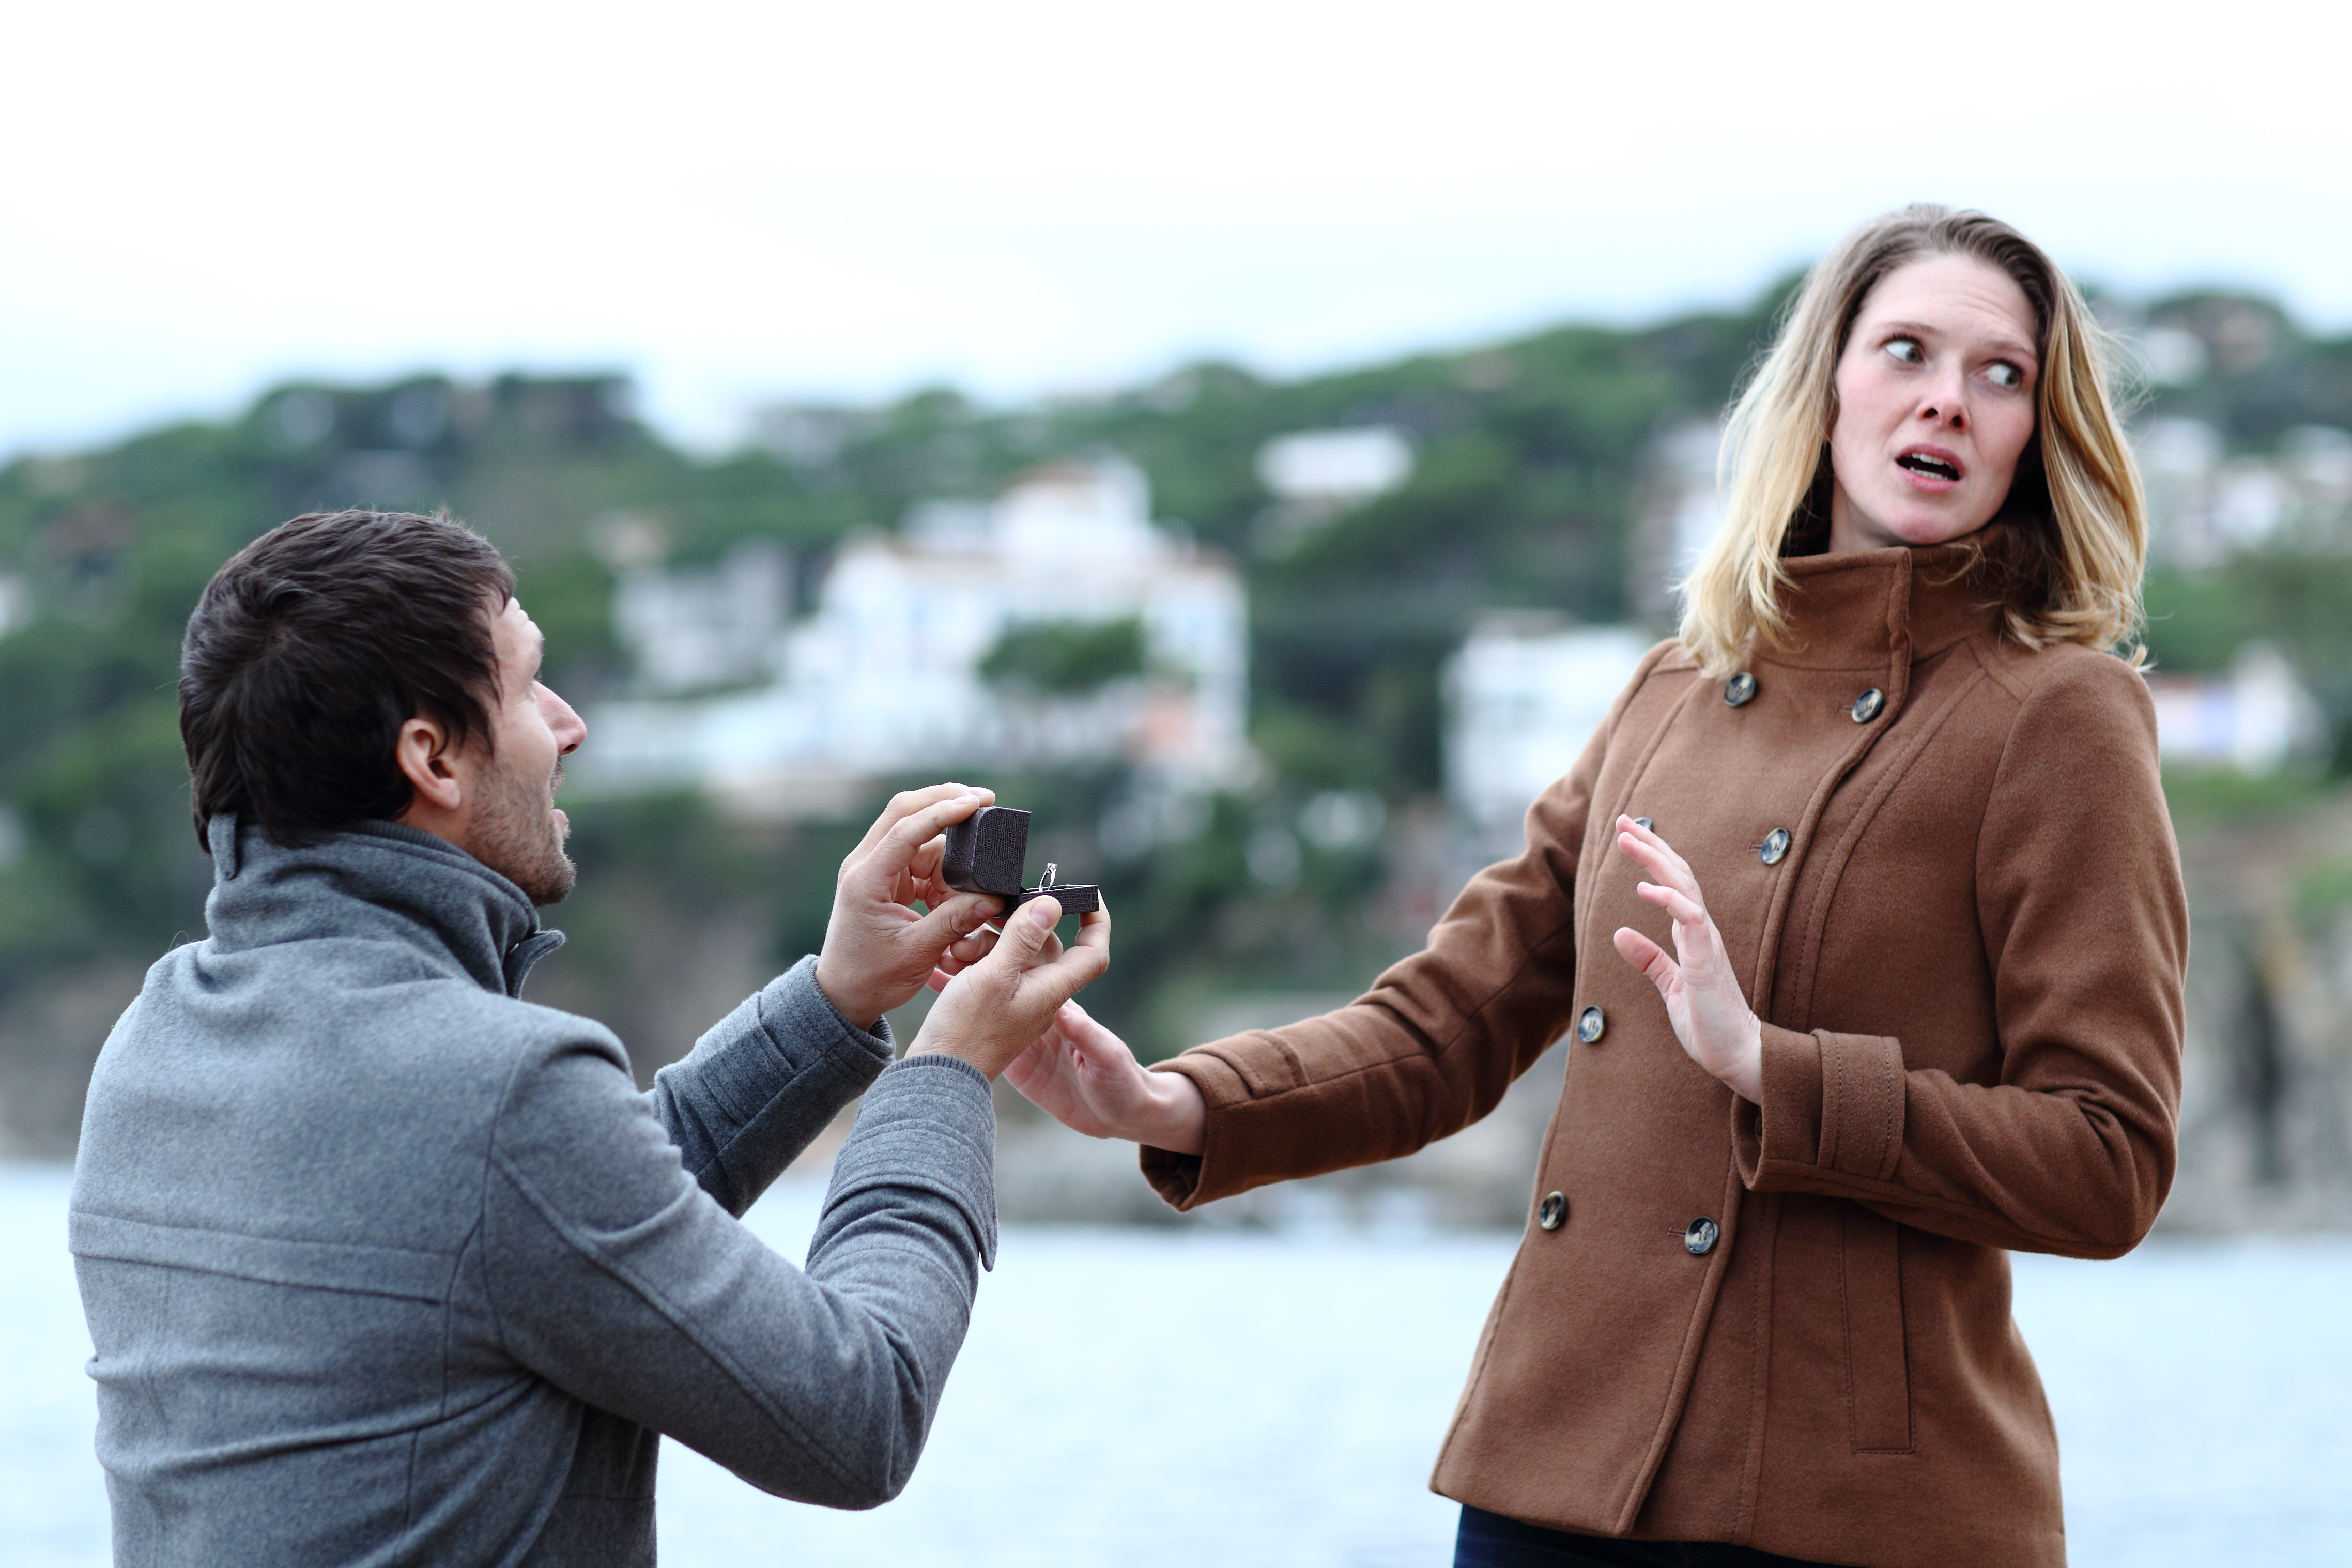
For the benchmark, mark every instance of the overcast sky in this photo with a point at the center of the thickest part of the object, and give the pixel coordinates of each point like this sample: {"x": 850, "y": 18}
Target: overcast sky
{"x": 738, "y": 202}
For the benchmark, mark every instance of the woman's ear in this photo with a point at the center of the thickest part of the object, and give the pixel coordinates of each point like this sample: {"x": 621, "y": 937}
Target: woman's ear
{"x": 424, "y": 757}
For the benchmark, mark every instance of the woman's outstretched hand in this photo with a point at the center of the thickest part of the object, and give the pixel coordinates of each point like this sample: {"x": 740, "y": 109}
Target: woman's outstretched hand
{"x": 1705, "y": 1004}
{"x": 1084, "y": 1076}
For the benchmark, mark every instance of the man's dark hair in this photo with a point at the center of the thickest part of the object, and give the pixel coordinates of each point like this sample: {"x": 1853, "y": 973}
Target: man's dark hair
{"x": 312, "y": 647}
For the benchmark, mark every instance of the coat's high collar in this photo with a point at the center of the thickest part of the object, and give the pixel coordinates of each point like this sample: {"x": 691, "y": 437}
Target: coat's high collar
{"x": 376, "y": 880}
{"x": 1861, "y": 608}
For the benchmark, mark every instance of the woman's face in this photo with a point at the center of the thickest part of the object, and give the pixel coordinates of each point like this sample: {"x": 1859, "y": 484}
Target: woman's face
{"x": 1934, "y": 405}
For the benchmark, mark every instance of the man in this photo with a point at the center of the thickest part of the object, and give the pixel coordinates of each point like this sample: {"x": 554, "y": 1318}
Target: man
{"x": 385, "y": 1265}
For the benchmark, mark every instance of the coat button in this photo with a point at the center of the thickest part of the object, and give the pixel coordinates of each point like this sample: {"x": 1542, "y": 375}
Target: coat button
{"x": 1644, "y": 823}
{"x": 1589, "y": 1023}
{"x": 1552, "y": 1210}
{"x": 1775, "y": 846}
{"x": 1699, "y": 1239}
{"x": 1869, "y": 705}
{"x": 1741, "y": 690}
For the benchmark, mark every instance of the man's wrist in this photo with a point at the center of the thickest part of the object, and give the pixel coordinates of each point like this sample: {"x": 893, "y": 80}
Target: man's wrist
{"x": 854, "y": 1009}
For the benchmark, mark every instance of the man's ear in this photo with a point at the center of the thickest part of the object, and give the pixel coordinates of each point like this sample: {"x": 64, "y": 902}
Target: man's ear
{"x": 428, "y": 760}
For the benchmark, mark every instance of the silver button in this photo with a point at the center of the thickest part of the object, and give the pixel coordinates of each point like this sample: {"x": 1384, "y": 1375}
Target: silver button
{"x": 1644, "y": 823}
{"x": 1699, "y": 1239}
{"x": 1869, "y": 705}
{"x": 1775, "y": 846}
{"x": 1741, "y": 690}
{"x": 1552, "y": 1210}
{"x": 1589, "y": 1023}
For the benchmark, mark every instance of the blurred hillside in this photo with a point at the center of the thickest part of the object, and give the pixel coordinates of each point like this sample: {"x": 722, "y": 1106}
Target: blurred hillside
{"x": 1538, "y": 471}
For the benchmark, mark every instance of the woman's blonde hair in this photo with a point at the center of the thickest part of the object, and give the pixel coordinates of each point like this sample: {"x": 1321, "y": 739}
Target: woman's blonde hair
{"x": 2068, "y": 566}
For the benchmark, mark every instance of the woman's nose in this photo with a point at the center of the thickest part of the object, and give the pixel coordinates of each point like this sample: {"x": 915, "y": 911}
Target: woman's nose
{"x": 1947, "y": 405}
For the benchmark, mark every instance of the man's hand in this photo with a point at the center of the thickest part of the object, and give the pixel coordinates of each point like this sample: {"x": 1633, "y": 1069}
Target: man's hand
{"x": 991, "y": 1010}
{"x": 877, "y": 950}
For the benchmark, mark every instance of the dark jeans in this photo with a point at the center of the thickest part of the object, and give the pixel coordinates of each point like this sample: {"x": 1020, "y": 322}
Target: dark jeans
{"x": 1490, "y": 1541}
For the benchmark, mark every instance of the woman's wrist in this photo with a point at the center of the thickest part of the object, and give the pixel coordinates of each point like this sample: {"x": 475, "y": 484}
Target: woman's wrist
{"x": 1176, "y": 1115}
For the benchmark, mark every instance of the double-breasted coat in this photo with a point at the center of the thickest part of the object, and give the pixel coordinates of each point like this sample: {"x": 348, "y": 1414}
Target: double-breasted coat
{"x": 1943, "y": 865}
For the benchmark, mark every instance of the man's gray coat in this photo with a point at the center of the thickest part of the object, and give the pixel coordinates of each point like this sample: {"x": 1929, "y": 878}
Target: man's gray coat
{"x": 385, "y": 1265}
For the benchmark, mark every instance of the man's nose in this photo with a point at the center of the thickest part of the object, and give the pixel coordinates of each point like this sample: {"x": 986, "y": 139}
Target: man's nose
{"x": 569, "y": 727}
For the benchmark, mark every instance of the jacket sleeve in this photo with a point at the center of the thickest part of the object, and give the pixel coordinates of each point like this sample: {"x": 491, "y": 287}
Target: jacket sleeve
{"x": 610, "y": 1272}
{"x": 763, "y": 1083}
{"x": 2086, "y": 928}
{"x": 1429, "y": 1049}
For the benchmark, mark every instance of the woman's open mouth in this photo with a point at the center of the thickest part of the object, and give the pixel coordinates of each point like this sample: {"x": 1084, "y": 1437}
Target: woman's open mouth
{"x": 1930, "y": 466}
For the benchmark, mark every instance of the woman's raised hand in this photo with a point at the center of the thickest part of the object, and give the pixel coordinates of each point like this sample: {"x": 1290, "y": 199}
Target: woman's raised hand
{"x": 1084, "y": 1076}
{"x": 1705, "y": 1004}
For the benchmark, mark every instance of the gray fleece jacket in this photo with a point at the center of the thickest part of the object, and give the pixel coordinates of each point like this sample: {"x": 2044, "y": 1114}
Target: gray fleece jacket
{"x": 384, "y": 1265}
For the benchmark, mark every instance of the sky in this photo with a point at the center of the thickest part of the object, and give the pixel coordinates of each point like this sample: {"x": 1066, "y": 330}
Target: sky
{"x": 740, "y": 203}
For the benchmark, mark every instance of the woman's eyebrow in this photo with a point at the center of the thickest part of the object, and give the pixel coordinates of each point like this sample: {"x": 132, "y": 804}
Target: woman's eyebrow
{"x": 1922, "y": 330}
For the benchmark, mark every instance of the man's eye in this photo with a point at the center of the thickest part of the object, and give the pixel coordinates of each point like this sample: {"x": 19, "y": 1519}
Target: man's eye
{"x": 1904, "y": 349}
{"x": 2004, "y": 374}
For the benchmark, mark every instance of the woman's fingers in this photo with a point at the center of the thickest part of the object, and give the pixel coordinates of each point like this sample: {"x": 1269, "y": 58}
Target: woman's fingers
{"x": 1656, "y": 857}
{"x": 1646, "y": 956}
{"x": 1683, "y": 910}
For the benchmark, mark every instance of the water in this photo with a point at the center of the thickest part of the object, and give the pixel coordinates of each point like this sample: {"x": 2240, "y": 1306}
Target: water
{"x": 1146, "y": 1397}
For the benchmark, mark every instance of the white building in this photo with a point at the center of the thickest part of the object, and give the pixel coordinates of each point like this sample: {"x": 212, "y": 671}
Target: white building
{"x": 2255, "y": 720}
{"x": 1317, "y": 475}
{"x": 885, "y": 678}
{"x": 687, "y": 630}
{"x": 1678, "y": 518}
{"x": 1523, "y": 696}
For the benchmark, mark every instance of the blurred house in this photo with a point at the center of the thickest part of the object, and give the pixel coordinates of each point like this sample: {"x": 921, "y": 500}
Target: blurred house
{"x": 1317, "y": 475}
{"x": 1523, "y": 696}
{"x": 903, "y": 667}
{"x": 2255, "y": 720}
{"x": 2206, "y": 506}
{"x": 690, "y": 630}
{"x": 1678, "y": 519}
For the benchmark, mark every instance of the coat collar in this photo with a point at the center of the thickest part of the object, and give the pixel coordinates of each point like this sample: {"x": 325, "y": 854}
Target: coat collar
{"x": 1868, "y": 609}
{"x": 375, "y": 882}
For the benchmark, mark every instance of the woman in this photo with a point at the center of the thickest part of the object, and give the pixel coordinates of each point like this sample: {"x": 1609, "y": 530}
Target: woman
{"x": 1921, "y": 1000}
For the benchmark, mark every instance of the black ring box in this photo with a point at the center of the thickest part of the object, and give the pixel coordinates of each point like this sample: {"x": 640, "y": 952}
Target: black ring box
{"x": 986, "y": 853}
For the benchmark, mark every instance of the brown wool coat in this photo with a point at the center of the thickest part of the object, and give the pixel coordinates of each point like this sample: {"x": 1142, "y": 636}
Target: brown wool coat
{"x": 1968, "y": 963}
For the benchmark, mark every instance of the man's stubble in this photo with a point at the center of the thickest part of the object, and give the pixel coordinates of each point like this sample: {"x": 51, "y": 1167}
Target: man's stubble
{"x": 517, "y": 837}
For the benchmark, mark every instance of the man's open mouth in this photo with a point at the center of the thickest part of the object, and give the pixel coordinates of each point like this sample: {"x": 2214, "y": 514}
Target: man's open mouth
{"x": 1932, "y": 467}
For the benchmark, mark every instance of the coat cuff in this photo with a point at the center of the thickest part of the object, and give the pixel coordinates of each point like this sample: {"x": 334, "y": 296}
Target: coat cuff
{"x": 1832, "y": 1102}
{"x": 1188, "y": 1181}
{"x": 929, "y": 1124}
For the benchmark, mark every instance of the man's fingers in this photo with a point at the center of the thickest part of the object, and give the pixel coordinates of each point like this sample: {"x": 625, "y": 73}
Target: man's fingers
{"x": 952, "y": 923}
{"x": 905, "y": 803}
{"x": 1024, "y": 932}
{"x": 895, "y": 854}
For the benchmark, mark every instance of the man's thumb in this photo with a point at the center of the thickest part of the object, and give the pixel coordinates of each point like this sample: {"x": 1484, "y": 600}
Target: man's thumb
{"x": 1026, "y": 932}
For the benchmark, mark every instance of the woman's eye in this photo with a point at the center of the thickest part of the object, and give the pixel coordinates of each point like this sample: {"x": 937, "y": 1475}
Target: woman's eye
{"x": 2004, "y": 374}
{"x": 1905, "y": 349}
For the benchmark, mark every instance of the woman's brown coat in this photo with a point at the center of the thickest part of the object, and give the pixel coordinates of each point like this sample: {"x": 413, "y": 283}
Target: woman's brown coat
{"x": 1968, "y": 962}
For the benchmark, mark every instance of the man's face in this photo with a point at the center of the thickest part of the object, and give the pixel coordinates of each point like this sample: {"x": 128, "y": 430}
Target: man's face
{"x": 517, "y": 831}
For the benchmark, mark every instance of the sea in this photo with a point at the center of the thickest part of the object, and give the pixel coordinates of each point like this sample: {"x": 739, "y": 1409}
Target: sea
{"x": 1276, "y": 1395}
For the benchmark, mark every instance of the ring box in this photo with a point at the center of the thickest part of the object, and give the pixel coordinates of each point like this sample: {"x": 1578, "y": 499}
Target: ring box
{"x": 986, "y": 853}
